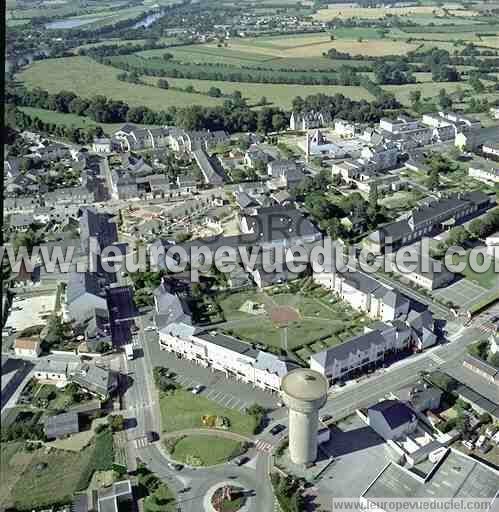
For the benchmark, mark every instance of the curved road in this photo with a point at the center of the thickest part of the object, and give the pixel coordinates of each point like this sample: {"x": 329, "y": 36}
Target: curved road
{"x": 142, "y": 404}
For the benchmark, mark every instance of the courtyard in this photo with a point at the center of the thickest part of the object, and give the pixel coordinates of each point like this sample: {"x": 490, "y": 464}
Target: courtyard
{"x": 297, "y": 317}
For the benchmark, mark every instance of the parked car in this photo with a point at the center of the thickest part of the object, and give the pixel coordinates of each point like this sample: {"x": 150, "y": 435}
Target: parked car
{"x": 152, "y": 436}
{"x": 197, "y": 389}
{"x": 241, "y": 460}
{"x": 174, "y": 466}
{"x": 150, "y": 328}
{"x": 277, "y": 429}
{"x": 326, "y": 417}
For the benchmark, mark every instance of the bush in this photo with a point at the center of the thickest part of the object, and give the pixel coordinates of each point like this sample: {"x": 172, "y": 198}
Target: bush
{"x": 116, "y": 422}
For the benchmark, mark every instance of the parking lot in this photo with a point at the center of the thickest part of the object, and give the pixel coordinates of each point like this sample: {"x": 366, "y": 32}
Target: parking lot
{"x": 462, "y": 292}
{"x": 30, "y": 311}
{"x": 227, "y": 392}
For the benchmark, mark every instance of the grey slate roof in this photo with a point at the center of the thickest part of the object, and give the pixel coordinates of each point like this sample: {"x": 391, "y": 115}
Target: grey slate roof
{"x": 81, "y": 283}
{"x": 61, "y": 425}
{"x": 229, "y": 343}
{"x": 395, "y": 413}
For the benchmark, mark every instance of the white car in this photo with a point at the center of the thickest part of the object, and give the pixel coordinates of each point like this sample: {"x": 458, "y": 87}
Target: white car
{"x": 197, "y": 389}
{"x": 150, "y": 328}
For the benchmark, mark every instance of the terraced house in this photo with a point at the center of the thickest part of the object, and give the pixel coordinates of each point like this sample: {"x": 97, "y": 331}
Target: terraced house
{"x": 429, "y": 219}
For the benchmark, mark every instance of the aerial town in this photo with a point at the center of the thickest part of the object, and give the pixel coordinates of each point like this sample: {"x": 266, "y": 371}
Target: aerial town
{"x": 250, "y": 256}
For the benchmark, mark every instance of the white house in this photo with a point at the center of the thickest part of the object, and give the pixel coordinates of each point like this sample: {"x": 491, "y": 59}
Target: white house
{"x": 27, "y": 347}
{"x": 492, "y": 243}
{"x": 487, "y": 174}
{"x": 392, "y": 419}
{"x": 226, "y": 354}
{"x": 491, "y": 149}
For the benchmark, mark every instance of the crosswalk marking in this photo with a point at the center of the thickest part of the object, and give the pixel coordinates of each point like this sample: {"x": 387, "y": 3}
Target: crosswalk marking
{"x": 436, "y": 358}
{"x": 487, "y": 327}
{"x": 263, "y": 446}
{"x": 141, "y": 442}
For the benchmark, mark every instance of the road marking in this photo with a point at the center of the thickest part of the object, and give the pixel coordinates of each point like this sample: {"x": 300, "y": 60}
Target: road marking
{"x": 263, "y": 446}
{"x": 141, "y": 442}
{"x": 437, "y": 358}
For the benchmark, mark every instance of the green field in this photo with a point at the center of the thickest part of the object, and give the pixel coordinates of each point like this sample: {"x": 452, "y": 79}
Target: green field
{"x": 488, "y": 279}
{"x": 87, "y": 78}
{"x": 41, "y": 478}
{"x": 280, "y": 95}
{"x": 72, "y": 120}
{"x": 210, "y": 450}
{"x": 428, "y": 89}
{"x": 183, "y": 410}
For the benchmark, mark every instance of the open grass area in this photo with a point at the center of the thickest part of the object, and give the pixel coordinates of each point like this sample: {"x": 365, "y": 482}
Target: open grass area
{"x": 488, "y": 279}
{"x": 53, "y": 476}
{"x": 87, "y": 78}
{"x": 183, "y": 410}
{"x": 48, "y": 116}
{"x": 428, "y": 89}
{"x": 319, "y": 318}
{"x": 13, "y": 461}
{"x": 280, "y": 95}
{"x": 209, "y": 450}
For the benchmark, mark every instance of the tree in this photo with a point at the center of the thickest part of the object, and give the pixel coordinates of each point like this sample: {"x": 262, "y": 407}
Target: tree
{"x": 214, "y": 92}
{"x": 163, "y": 84}
{"x": 493, "y": 359}
{"x": 444, "y": 100}
{"x": 116, "y": 422}
{"x": 433, "y": 180}
{"x": 415, "y": 97}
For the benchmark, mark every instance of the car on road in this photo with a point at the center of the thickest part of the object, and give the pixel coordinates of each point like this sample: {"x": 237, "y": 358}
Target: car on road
{"x": 152, "y": 436}
{"x": 197, "y": 389}
{"x": 277, "y": 429}
{"x": 326, "y": 417}
{"x": 175, "y": 466}
{"x": 241, "y": 460}
{"x": 150, "y": 328}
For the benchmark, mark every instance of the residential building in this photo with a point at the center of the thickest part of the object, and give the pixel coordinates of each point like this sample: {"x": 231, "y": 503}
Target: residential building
{"x": 306, "y": 120}
{"x": 169, "y": 308}
{"x": 456, "y": 476}
{"x": 189, "y": 141}
{"x": 494, "y": 112}
{"x": 344, "y": 129}
{"x": 421, "y": 396}
{"x": 383, "y": 157}
{"x": 490, "y": 149}
{"x": 429, "y": 219}
{"x": 27, "y": 347}
{"x": 96, "y": 380}
{"x": 229, "y": 355}
{"x": 99, "y": 226}
{"x": 133, "y": 138}
{"x": 102, "y": 145}
{"x": 488, "y": 173}
{"x": 116, "y": 498}
{"x": 317, "y": 144}
{"x": 273, "y": 227}
{"x": 61, "y": 425}
{"x": 365, "y": 293}
{"x": 84, "y": 294}
{"x": 391, "y": 419}
{"x": 492, "y": 243}
{"x": 486, "y": 370}
{"x": 424, "y": 271}
{"x": 255, "y": 157}
{"x": 54, "y": 371}
{"x": 212, "y": 173}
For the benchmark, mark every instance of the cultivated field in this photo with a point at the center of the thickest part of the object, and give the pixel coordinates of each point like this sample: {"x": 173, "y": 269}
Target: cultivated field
{"x": 308, "y": 47}
{"x": 381, "y": 12}
{"x": 87, "y": 78}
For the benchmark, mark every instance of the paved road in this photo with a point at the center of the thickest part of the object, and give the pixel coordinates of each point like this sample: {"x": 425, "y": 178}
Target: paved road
{"x": 142, "y": 404}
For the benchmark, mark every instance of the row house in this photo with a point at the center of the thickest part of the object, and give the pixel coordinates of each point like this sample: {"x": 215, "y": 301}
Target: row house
{"x": 133, "y": 138}
{"x": 486, "y": 173}
{"x": 429, "y": 219}
{"x": 190, "y": 141}
{"x": 307, "y": 120}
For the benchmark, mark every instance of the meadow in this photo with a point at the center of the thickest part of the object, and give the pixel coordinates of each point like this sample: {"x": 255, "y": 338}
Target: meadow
{"x": 277, "y": 94}
{"x": 87, "y": 78}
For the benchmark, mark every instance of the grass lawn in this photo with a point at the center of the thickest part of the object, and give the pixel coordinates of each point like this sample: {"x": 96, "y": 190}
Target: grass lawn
{"x": 72, "y": 74}
{"x": 183, "y": 410}
{"x": 488, "y": 279}
{"x": 321, "y": 319}
{"x": 48, "y": 116}
{"x": 54, "y": 476}
{"x": 13, "y": 461}
{"x": 210, "y": 450}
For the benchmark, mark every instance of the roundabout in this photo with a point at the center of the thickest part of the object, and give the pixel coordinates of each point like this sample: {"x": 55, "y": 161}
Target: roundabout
{"x": 227, "y": 496}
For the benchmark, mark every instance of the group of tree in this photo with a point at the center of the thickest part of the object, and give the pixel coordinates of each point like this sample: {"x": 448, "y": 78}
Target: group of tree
{"x": 288, "y": 492}
{"x": 164, "y": 380}
{"x": 394, "y": 73}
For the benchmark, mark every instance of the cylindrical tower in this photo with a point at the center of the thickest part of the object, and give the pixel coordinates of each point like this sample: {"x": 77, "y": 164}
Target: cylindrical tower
{"x": 304, "y": 392}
